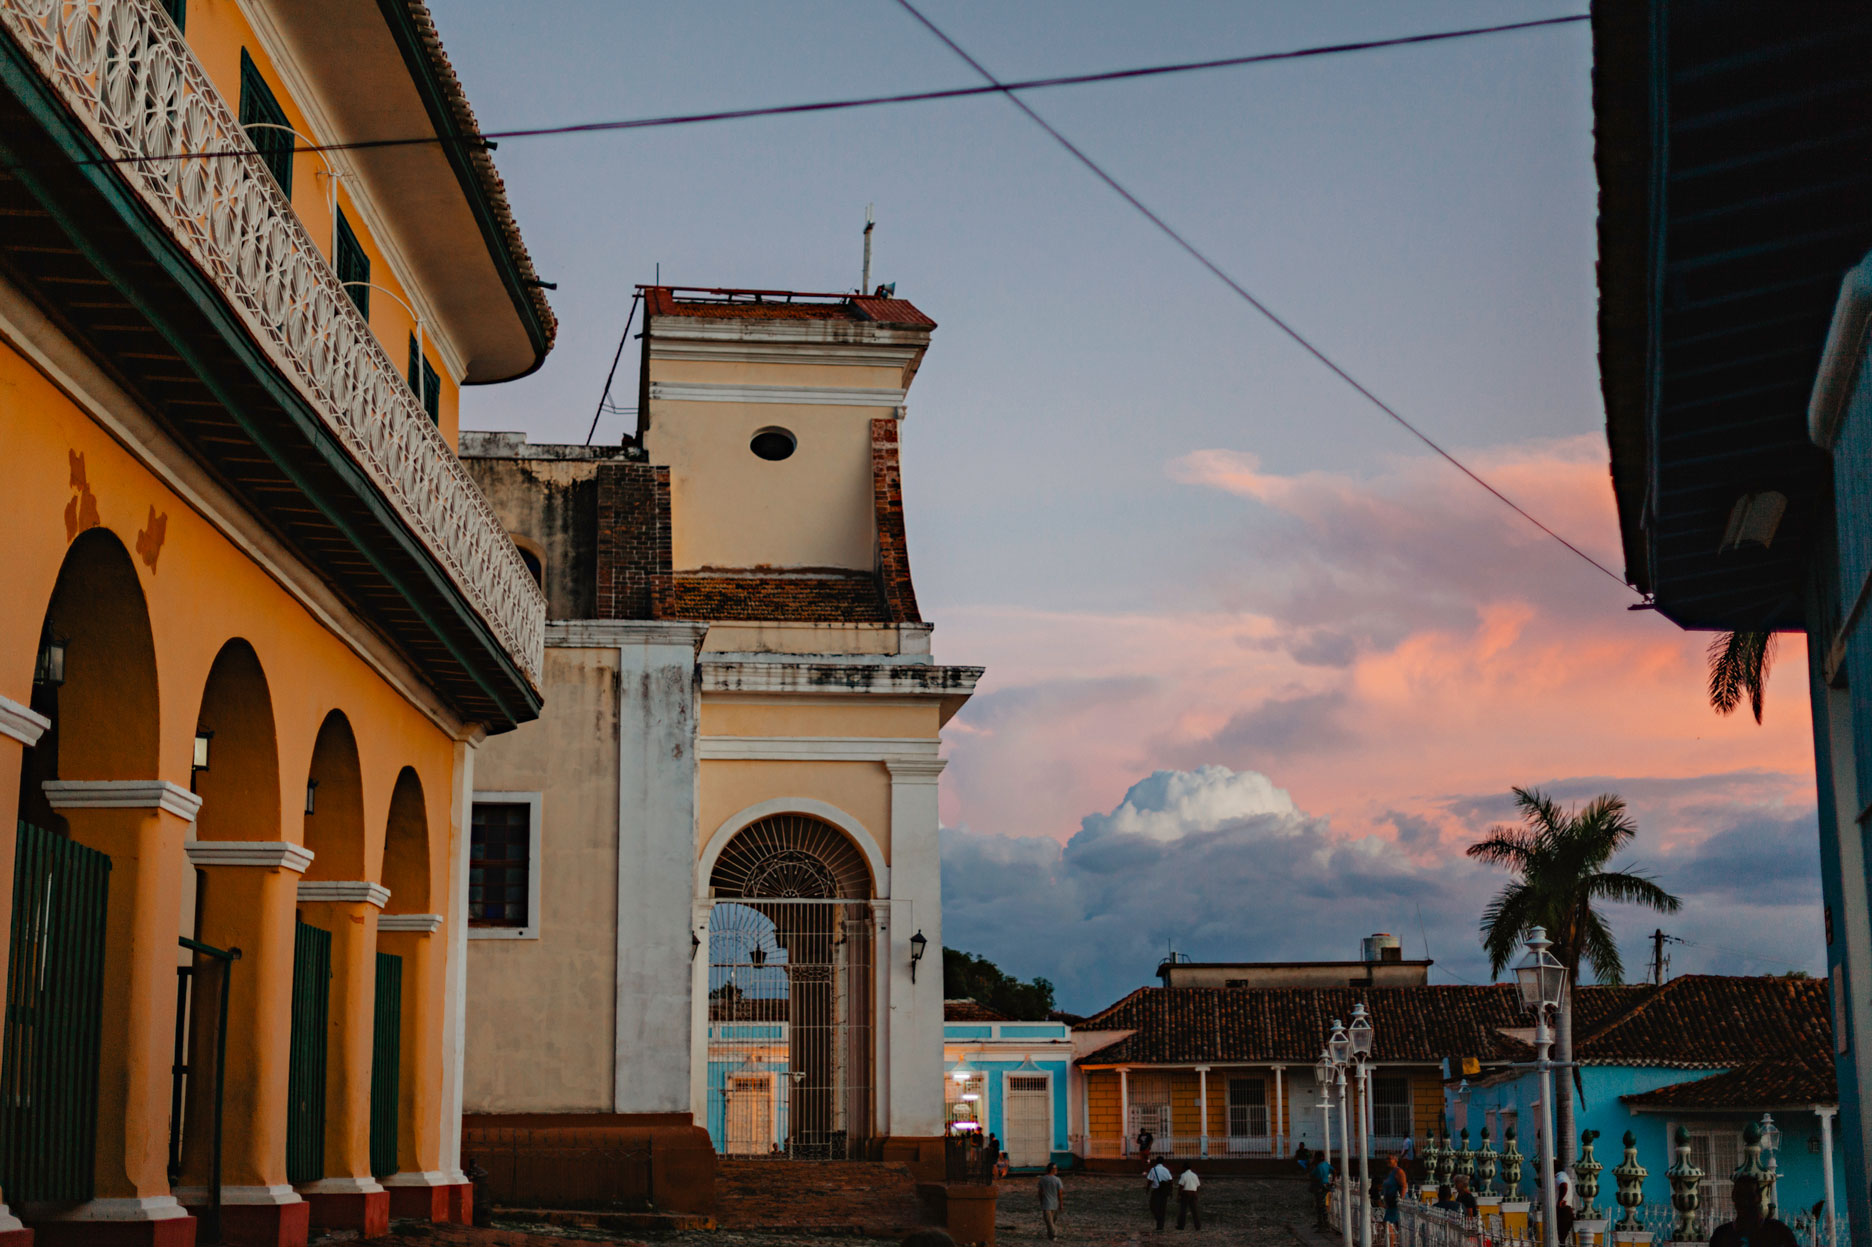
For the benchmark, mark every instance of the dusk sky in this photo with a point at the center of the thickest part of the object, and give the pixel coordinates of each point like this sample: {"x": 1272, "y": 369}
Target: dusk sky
{"x": 1258, "y": 665}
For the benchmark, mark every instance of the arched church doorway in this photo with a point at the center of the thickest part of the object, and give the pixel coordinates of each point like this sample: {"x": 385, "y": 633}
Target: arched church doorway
{"x": 790, "y": 993}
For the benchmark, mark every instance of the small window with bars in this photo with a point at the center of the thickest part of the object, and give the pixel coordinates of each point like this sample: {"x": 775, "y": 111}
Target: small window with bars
{"x": 423, "y": 381}
{"x": 1247, "y": 1108}
{"x": 1391, "y": 1105}
{"x": 500, "y": 864}
{"x": 353, "y": 265}
{"x": 262, "y": 117}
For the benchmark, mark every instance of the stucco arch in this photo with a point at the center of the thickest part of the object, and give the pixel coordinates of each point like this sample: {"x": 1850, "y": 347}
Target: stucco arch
{"x": 406, "y": 847}
{"x": 824, "y": 811}
{"x": 334, "y": 831}
{"x": 240, "y": 789}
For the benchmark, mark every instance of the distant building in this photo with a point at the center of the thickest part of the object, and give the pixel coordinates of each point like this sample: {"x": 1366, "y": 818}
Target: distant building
{"x": 712, "y": 858}
{"x": 1011, "y": 1079}
{"x": 1382, "y": 965}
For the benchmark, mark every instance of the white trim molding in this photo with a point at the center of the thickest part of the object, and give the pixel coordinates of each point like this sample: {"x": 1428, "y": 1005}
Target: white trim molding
{"x": 874, "y": 857}
{"x": 886, "y": 749}
{"x": 839, "y": 678}
{"x": 345, "y": 890}
{"x": 270, "y": 854}
{"x": 793, "y": 395}
{"x": 340, "y": 1186}
{"x": 915, "y": 770}
{"x": 21, "y": 722}
{"x": 133, "y": 1208}
{"x": 430, "y": 1177}
{"x": 251, "y": 1196}
{"x": 618, "y": 633}
{"x": 421, "y": 924}
{"x": 122, "y": 794}
{"x": 534, "y": 802}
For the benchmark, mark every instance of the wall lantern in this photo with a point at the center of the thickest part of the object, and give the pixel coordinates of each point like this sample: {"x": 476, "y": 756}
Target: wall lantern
{"x": 50, "y": 669}
{"x": 202, "y": 738}
{"x": 311, "y": 795}
{"x": 918, "y": 943}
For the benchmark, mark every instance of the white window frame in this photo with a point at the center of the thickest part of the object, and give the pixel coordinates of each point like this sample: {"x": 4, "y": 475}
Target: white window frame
{"x": 1051, "y": 1136}
{"x": 534, "y": 801}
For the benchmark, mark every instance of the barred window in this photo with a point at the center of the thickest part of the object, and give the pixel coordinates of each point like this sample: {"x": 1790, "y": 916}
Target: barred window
{"x": 1247, "y": 1108}
{"x": 1391, "y": 1105}
{"x": 500, "y": 864}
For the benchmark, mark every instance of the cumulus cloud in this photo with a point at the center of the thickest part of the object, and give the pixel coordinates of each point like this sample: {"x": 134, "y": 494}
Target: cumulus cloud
{"x": 1223, "y": 865}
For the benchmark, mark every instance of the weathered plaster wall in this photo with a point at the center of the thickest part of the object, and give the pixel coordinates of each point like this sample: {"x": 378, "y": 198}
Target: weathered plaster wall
{"x": 740, "y": 714}
{"x": 860, "y": 789}
{"x": 553, "y": 505}
{"x": 541, "y": 1017}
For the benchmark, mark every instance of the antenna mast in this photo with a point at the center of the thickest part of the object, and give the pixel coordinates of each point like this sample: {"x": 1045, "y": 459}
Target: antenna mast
{"x": 864, "y": 286}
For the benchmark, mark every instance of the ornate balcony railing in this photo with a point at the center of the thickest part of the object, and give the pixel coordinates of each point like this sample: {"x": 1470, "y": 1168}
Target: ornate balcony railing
{"x": 126, "y": 73}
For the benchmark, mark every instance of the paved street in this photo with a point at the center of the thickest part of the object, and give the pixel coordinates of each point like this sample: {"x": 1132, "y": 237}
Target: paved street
{"x": 1103, "y": 1209}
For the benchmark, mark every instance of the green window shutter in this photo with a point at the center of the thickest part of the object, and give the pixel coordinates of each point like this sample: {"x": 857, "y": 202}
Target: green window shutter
{"x": 257, "y": 105}
{"x": 430, "y": 390}
{"x": 352, "y": 265}
{"x": 177, "y": 11}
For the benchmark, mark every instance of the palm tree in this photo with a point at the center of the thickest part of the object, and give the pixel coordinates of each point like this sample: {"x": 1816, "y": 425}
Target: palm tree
{"x": 1560, "y": 856}
{"x": 1738, "y": 665}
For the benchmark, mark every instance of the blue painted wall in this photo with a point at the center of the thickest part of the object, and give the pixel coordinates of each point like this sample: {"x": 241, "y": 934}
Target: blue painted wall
{"x": 976, "y": 1043}
{"x": 1801, "y": 1185}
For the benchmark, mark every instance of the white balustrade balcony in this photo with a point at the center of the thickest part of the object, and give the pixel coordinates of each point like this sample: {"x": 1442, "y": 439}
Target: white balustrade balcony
{"x": 123, "y": 69}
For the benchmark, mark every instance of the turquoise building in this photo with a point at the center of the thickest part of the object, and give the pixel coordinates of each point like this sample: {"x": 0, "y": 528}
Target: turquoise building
{"x": 1011, "y": 1079}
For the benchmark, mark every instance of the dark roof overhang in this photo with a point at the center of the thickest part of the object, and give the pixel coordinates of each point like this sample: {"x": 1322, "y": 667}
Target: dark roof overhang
{"x": 115, "y": 281}
{"x": 1732, "y": 148}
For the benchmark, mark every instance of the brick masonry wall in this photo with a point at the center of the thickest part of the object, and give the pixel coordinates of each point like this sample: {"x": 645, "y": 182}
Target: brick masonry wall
{"x": 893, "y": 546}
{"x": 633, "y": 540}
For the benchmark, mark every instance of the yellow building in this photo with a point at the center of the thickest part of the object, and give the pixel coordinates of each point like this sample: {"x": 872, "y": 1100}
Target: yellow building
{"x": 720, "y": 841}
{"x": 255, "y": 617}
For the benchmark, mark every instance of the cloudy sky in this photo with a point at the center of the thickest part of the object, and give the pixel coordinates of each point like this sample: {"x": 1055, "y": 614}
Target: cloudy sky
{"x": 1258, "y": 666}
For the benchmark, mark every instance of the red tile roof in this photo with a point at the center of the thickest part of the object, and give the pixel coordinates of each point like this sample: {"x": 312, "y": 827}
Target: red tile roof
{"x": 969, "y": 1011}
{"x": 1763, "y": 1085}
{"x": 1711, "y": 1020}
{"x": 782, "y": 305}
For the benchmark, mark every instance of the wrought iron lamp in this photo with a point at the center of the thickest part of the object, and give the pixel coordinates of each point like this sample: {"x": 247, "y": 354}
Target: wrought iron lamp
{"x": 50, "y": 669}
{"x": 311, "y": 796}
{"x": 200, "y": 761}
{"x": 918, "y": 943}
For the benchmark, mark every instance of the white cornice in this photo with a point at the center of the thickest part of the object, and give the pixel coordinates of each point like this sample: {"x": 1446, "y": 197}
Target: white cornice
{"x": 268, "y": 854}
{"x": 617, "y": 633}
{"x": 122, "y": 794}
{"x": 21, "y": 722}
{"x": 344, "y": 890}
{"x": 422, "y": 924}
{"x": 795, "y": 395}
{"x": 740, "y": 351}
{"x": 839, "y": 679}
{"x": 884, "y": 749}
{"x": 665, "y": 328}
{"x": 26, "y": 329}
{"x": 915, "y": 770}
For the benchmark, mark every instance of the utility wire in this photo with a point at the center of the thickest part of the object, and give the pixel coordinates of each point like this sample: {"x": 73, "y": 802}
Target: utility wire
{"x": 486, "y": 138}
{"x": 603, "y": 399}
{"x": 1009, "y": 89}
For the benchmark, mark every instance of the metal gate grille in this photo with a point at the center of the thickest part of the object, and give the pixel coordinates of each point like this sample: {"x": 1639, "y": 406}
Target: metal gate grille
{"x": 386, "y": 1059}
{"x": 54, "y": 1009}
{"x": 790, "y": 1035}
{"x": 1027, "y": 1120}
{"x": 305, "y": 1072}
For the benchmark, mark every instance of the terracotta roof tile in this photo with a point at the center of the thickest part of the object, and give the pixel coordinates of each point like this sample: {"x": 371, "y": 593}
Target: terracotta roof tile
{"x": 969, "y": 1011}
{"x": 1710, "y": 1020}
{"x": 1757, "y": 1085}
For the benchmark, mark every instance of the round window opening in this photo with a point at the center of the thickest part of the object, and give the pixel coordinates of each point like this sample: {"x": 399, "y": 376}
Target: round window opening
{"x": 773, "y": 444}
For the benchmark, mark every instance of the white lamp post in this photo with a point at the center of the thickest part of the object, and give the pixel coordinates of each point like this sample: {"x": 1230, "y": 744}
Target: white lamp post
{"x": 1322, "y": 1079}
{"x": 1360, "y": 1036}
{"x": 1339, "y": 1051}
{"x": 1541, "y": 979}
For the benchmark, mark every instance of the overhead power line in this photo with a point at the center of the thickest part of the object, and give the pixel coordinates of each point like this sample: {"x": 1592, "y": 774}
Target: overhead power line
{"x": 1008, "y": 89}
{"x": 487, "y": 138}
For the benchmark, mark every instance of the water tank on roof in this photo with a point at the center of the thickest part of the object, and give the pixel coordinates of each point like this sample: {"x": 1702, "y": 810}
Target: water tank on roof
{"x": 1383, "y": 947}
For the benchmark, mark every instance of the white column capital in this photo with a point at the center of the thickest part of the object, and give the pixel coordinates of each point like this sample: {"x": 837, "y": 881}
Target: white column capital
{"x": 21, "y": 722}
{"x": 122, "y": 794}
{"x": 345, "y": 890}
{"x": 915, "y": 770}
{"x": 267, "y": 854}
{"x": 422, "y": 924}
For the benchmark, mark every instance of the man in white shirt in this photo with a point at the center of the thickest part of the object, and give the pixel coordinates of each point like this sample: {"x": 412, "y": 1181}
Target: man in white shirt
{"x": 1158, "y": 1178}
{"x": 1187, "y": 1184}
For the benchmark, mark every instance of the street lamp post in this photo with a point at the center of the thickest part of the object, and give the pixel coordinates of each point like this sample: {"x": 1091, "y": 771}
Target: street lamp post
{"x": 1322, "y": 1079}
{"x": 1360, "y": 1036}
{"x": 1339, "y": 1051}
{"x": 1542, "y": 979}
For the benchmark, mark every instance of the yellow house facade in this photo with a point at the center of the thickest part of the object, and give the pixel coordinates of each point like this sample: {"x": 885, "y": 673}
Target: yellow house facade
{"x": 733, "y": 789}
{"x": 256, "y": 618}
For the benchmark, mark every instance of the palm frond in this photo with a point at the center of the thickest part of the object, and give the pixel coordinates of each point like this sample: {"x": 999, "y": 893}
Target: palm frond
{"x": 1739, "y": 663}
{"x": 1512, "y": 847}
{"x": 1598, "y": 947}
{"x": 1506, "y": 921}
{"x": 1539, "y": 811}
{"x": 1628, "y": 887}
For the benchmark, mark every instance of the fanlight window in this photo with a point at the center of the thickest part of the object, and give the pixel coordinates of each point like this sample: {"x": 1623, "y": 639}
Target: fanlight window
{"x": 791, "y": 857}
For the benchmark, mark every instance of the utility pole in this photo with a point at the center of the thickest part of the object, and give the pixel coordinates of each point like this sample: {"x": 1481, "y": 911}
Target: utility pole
{"x": 1657, "y": 956}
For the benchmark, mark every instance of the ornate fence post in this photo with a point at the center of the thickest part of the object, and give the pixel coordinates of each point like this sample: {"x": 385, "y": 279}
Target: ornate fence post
{"x": 1446, "y": 1159}
{"x": 1511, "y": 1164}
{"x": 1630, "y": 1176}
{"x": 1586, "y": 1169}
{"x": 1485, "y": 1164}
{"x": 1751, "y": 1166}
{"x": 1684, "y": 1177}
{"x": 1465, "y": 1158}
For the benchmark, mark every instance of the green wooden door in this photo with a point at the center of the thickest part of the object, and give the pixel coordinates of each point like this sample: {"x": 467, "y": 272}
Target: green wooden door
{"x": 386, "y": 1060}
{"x": 54, "y": 1007}
{"x": 305, "y": 1076}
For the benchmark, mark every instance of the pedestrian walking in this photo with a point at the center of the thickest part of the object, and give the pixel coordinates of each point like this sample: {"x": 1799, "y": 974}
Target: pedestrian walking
{"x": 990, "y": 1157}
{"x": 1144, "y": 1140}
{"x": 1319, "y": 1183}
{"x": 1303, "y": 1158}
{"x": 1052, "y": 1195}
{"x": 1391, "y": 1190}
{"x": 1187, "y": 1184}
{"x": 1159, "y": 1181}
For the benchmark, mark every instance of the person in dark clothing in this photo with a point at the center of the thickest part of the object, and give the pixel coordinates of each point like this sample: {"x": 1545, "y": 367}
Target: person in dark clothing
{"x": 1159, "y": 1180}
{"x": 1464, "y": 1196}
{"x": 1144, "y": 1140}
{"x": 1446, "y": 1199}
{"x": 991, "y": 1153}
{"x": 1319, "y": 1183}
{"x": 1751, "y": 1228}
{"x": 1303, "y": 1158}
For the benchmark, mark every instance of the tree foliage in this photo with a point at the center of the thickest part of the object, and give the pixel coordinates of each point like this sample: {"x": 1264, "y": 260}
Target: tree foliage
{"x": 1739, "y": 663}
{"x": 968, "y": 977}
